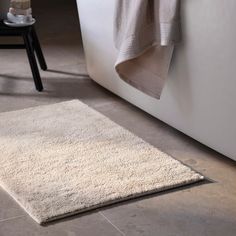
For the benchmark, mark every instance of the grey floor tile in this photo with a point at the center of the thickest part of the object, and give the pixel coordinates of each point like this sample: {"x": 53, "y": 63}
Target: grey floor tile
{"x": 85, "y": 225}
{"x": 8, "y": 207}
{"x": 196, "y": 211}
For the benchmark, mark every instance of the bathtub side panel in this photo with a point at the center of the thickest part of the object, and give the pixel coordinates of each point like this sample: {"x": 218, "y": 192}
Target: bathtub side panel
{"x": 199, "y": 97}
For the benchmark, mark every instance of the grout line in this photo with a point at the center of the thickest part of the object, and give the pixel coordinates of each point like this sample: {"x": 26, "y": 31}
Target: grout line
{"x": 11, "y": 218}
{"x": 111, "y": 223}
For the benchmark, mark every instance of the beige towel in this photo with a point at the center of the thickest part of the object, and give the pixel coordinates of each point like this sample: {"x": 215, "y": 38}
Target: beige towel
{"x": 145, "y": 32}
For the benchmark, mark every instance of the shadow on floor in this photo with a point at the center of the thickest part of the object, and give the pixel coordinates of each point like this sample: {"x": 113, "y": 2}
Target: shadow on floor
{"x": 63, "y": 87}
{"x": 68, "y": 73}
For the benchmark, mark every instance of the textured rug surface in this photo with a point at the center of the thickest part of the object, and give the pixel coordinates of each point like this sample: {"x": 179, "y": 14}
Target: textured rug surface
{"x": 62, "y": 159}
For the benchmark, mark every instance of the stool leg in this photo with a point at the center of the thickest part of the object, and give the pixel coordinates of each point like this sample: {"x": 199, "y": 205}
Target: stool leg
{"x": 33, "y": 62}
{"x": 38, "y": 49}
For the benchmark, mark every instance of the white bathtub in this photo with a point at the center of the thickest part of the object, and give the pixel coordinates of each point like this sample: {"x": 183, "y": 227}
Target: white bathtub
{"x": 199, "y": 97}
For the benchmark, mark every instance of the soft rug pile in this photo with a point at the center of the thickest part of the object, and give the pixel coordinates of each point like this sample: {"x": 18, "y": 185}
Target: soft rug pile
{"x": 62, "y": 159}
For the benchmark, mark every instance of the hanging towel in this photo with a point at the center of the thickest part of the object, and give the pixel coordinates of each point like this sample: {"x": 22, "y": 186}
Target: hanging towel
{"x": 145, "y": 32}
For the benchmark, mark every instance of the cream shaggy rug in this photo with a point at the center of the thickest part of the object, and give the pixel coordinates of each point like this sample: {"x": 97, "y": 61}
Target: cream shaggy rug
{"x": 62, "y": 159}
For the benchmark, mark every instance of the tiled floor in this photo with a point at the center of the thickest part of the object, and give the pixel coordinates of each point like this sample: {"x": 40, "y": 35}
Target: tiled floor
{"x": 203, "y": 210}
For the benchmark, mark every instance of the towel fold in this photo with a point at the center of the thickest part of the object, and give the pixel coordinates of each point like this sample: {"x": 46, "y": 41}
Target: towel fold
{"x": 145, "y": 32}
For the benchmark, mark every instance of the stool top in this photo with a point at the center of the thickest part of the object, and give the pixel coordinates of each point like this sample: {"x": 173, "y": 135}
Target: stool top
{"x": 7, "y": 30}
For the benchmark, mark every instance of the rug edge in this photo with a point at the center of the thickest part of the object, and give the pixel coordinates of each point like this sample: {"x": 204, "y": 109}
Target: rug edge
{"x": 201, "y": 178}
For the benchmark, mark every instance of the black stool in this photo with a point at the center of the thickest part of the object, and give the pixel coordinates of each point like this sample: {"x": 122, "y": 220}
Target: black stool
{"x": 31, "y": 44}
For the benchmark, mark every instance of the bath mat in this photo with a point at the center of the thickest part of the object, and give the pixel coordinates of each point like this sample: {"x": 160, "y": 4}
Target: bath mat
{"x": 66, "y": 158}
